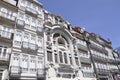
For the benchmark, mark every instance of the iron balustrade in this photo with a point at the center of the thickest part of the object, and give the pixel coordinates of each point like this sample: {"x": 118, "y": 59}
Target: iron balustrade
{"x": 99, "y": 58}
{"x": 29, "y": 45}
{"x": 82, "y": 47}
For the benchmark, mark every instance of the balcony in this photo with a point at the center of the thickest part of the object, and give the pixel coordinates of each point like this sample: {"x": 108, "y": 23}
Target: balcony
{"x": 27, "y": 45}
{"x": 4, "y": 60}
{"x": 82, "y": 47}
{"x": 102, "y": 70}
{"x": 85, "y": 60}
{"x": 32, "y": 46}
{"x": 100, "y": 49}
{"x": 7, "y": 17}
{"x": 111, "y": 60}
{"x": 20, "y": 23}
{"x": 6, "y": 36}
{"x": 65, "y": 69}
{"x": 88, "y": 74}
{"x": 99, "y": 58}
{"x": 15, "y": 71}
{"x": 30, "y": 10}
{"x": 114, "y": 70}
{"x": 40, "y": 73}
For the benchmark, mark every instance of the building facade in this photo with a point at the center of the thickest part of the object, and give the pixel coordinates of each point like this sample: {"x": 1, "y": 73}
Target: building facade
{"x": 38, "y": 45}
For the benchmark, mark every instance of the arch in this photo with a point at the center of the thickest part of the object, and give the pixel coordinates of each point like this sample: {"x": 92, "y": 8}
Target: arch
{"x": 61, "y": 26}
{"x": 63, "y": 32}
{"x": 48, "y": 23}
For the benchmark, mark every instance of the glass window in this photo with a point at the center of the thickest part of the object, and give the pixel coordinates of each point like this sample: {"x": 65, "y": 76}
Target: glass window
{"x": 76, "y": 60}
{"x": 23, "y": 2}
{"x": 65, "y": 58}
{"x": 0, "y": 75}
{"x": 27, "y": 19}
{"x": 33, "y": 21}
{"x": 61, "y": 57}
{"x": 33, "y": 37}
{"x": 6, "y": 32}
{"x": 56, "y": 58}
{"x": 26, "y": 36}
{"x": 34, "y": 7}
{"x": 71, "y": 60}
{"x": 0, "y": 50}
{"x": 4, "y": 52}
{"x": 49, "y": 56}
{"x": 21, "y": 15}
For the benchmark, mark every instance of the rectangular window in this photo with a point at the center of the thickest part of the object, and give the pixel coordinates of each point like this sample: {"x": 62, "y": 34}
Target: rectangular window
{"x": 27, "y": 19}
{"x": 23, "y": 2}
{"x": 0, "y": 51}
{"x": 18, "y": 35}
{"x": 34, "y": 7}
{"x": 24, "y": 63}
{"x": 21, "y": 16}
{"x": 71, "y": 60}
{"x": 61, "y": 57}
{"x": 26, "y": 37}
{"x": 40, "y": 62}
{"x": 39, "y": 23}
{"x": 49, "y": 56}
{"x": 6, "y": 32}
{"x": 56, "y": 58}
{"x": 33, "y": 38}
{"x": 16, "y": 58}
{"x": 40, "y": 42}
{"x": 65, "y": 58}
{"x": 0, "y": 75}
{"x": 33, "y": 21}
{"x": 3, "y": 51}
{"x": 76, "y": 60}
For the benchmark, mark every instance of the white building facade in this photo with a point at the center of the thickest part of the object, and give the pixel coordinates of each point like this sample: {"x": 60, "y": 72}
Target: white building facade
{"x": 38, "y": 45}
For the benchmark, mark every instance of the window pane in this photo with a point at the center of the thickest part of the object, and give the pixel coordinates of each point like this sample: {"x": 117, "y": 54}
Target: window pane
{"x": 0, "y": 76}
{"x": 65, "y": 58}
{"x": 49, "y": 56}
{"x": 0, "y": 51}
{"x": 76, "y": 60}
{"x": 4, "y": 52}
{"x": 61, "y": 58}
{"x": 56, "y": 57}
{"x": 70, "y": 60}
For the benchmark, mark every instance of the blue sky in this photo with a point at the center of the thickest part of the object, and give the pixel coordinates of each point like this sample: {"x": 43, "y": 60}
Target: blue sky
{"x": 99, "y": 16}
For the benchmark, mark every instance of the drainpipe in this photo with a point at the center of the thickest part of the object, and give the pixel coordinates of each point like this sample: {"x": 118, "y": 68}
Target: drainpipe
{"x": 86, "y": 38}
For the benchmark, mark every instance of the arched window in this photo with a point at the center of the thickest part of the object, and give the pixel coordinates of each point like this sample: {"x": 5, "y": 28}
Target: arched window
{"x": 65, "y": 58}
{"x": 61, "y": 41}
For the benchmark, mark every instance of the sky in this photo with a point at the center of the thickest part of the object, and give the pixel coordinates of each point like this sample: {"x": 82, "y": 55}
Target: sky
{"x": 99, "y": 16}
